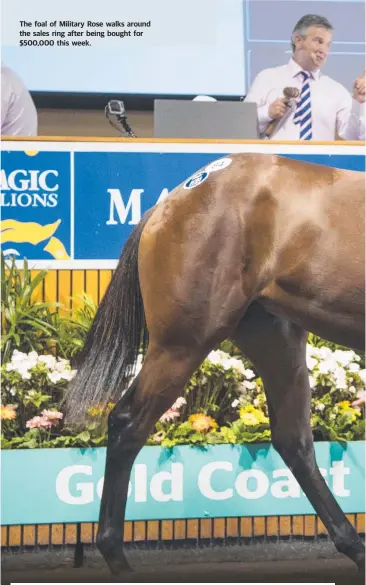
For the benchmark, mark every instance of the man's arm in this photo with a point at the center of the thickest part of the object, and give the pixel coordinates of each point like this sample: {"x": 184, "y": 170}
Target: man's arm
{"x": 351, "y": 115}
{"x": 267, "y": 111}
{"x": 18, "y": 112}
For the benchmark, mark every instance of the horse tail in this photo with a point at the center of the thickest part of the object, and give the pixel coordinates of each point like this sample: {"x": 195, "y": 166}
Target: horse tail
{"x": 117, "y": 335}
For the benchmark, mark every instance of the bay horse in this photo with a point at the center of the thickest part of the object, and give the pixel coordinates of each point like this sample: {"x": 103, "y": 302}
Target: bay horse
{"x": 256, "y": 248}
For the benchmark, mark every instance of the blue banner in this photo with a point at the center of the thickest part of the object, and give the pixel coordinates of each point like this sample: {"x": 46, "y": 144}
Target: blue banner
{"x": 81, "y": 205}
{"x": 124, "y": 186}
{"x": 36, "y": 204}
{"x": 184, "y": 482}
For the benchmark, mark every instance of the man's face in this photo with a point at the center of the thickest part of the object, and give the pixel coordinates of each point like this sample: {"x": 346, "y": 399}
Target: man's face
{"x": 313, "y": 49}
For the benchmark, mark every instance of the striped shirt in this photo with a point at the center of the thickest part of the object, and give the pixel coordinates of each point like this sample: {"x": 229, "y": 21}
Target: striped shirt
{"x": 334, "y": 112}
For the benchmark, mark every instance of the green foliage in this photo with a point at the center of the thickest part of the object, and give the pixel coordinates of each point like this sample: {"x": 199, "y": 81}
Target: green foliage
{"x": 73, "y": 329}
{"x": 212, "y": 389}
{"x": 26, "y": 325}
{"x": 223, "y": 402}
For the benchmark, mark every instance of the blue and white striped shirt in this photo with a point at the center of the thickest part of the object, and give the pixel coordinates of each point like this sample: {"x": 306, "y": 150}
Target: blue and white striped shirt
{"x": 334, "y": 112}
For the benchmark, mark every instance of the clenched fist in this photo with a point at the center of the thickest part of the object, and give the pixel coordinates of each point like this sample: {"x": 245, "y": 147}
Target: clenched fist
{"x": 277, "y": 109}
{"x": 359, "y": 88}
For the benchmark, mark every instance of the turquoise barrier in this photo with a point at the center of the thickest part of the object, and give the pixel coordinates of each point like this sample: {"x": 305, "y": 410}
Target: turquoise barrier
{"x": 65, "y": 485}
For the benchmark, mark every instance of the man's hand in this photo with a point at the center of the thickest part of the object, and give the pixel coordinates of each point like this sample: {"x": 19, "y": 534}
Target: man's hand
{"x": 359, "y": 88}
{"x": 277, "y": 109}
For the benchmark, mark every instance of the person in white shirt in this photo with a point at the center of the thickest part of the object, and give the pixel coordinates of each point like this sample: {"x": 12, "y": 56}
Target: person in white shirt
{"x": 324, "y": 109}
{"x": 18, "y": 112}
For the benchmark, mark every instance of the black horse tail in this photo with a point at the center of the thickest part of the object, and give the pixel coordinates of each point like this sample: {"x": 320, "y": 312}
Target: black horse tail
{"x": 117, "y": 335}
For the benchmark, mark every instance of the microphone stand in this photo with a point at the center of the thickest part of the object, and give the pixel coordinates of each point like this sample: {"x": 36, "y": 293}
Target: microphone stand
{"x": 121, "y": 118}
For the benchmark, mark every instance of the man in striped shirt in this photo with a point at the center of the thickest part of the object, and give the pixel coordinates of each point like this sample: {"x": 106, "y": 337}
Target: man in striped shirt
{"x": 324, "y": 110}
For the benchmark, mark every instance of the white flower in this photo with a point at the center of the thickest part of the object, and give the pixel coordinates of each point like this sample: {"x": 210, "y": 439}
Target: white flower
{"x": 23, "y": 371}
{"x": 241, "y": 388}
{"x": 353, "y": 367}
{"x": 22, "y": 362}
{"x": 48, "y": 360}
{"x": 249, "y": 374}
{"x": 31, "y": 360}
{"x": 325, "y": 353}
{"x": 214, "y": 357}
{"x": 61, "y": 365}
{"x": 55, "y": 376}
{"x": 226, "y": 364}
{"x": 248, "y": 385}
{"x": 310, "y": 350}
{"x": 344, "y": 357}
{"x": 327, "y": 366}
{"x": 238, "y": 366}
{"x": 320, "y": 406}
{"x": 179, "y": 403}
{"x": 312, "y": 381}
{"x": 235, "y": 403}
{"x": 340, "y": 378}
{"x": 18, "y": 356}
{"x": 13, "y": 391}
{"x": 256, "y": 402}
{"x": 352, "y": 389}
{"x": 311, "y": 362}
{"x": 66, "y": 375}
{"x": 362, "y": 374}
{"x": 221, "y": 358}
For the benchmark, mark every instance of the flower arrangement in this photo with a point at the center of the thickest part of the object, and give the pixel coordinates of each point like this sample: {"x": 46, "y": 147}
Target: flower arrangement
{"x": 223, "y": 402}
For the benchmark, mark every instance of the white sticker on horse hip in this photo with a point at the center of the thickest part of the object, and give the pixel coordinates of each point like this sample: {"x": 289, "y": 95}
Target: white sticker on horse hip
{"x": 218, "y": 165}
{"x": 195, "y": 180}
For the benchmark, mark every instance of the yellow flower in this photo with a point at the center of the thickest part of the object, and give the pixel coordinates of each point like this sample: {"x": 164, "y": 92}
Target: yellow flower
{"x": 7, "y": 412}
{"x": 95, "y": 410}
{"x": 345, "y": 407}
{"x": 98, "y": 410}
{"x": 202, "y": 423}
{"x": 345, "y": 404}
{"x": 252, "y": 416}
{"x": 158, "y": 437}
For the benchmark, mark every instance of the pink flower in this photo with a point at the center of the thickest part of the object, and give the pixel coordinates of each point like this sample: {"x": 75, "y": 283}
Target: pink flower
{"x": 37, "y": 422}
{"x": 52, "y": 415}
{"x": 169, "y": 415}
{"x": 48, "y": 419}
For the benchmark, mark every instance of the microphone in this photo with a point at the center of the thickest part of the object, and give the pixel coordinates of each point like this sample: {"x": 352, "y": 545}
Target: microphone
{"x": 290, "y": 95}
{"x": 116, "y": 108}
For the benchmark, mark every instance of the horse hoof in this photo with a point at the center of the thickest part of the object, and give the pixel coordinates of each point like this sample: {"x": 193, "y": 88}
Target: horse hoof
{"x": 119, "y": 566}
{"x": 360, "y": 562}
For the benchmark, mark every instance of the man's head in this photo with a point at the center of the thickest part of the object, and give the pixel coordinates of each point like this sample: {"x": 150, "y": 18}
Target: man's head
{"x": 311, "y": 39}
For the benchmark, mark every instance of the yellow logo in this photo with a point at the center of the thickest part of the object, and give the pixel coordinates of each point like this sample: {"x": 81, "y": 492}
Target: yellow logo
{"x": 33, "y": 233}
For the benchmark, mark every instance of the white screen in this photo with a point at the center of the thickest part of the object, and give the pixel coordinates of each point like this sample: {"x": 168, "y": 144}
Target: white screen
{"x": 190, "y": 47}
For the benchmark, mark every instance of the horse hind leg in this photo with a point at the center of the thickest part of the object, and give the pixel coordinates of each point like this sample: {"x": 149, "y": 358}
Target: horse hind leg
{"x": 161, "y": 380}
{"x": 277, "y": 349}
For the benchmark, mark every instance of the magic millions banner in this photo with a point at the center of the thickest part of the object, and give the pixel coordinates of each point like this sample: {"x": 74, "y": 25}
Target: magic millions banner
{"x": 73, "y": 205}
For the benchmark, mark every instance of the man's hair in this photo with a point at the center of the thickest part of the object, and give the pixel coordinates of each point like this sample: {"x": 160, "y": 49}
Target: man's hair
{"x": 306, "y": 22}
